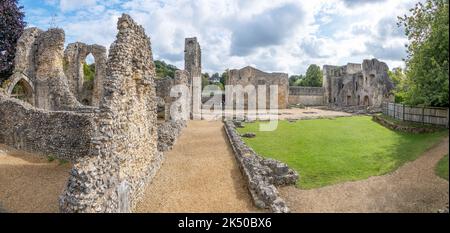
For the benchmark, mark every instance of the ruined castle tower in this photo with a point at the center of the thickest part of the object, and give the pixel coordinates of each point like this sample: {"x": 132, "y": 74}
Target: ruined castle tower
{"x": 366, "y": 84}
{"x": 193, "y": 65}
{"x": 192, "y": 57}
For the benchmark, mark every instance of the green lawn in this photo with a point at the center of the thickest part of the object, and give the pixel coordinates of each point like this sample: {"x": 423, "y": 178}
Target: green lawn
{"x": 329, "y": 151}
{"x": 442, "y": 168}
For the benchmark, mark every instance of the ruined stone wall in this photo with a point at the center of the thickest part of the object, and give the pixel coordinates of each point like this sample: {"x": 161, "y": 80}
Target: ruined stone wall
{"x": 193, "y": 65}
{"x": 192, "y": 57}
{"x": 255, "y": 77}
{"x": 170, "y": 129}
{"x": 113, "y": 146}
{"x": 63, "y": 134}
{"x": 39, "y": 64}
{"x": 125, "y": 156}
{"x": 74, "y": 57}
{"x": 262, "y": 175}
{"x": 164, "y": 87}
{"x": 52, "y": 89}
{"x": 357, "y": 85}
{"x": 308, "y": 96}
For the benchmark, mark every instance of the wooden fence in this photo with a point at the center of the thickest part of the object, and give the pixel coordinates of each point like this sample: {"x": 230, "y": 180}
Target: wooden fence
{"x": 424, "y": 115}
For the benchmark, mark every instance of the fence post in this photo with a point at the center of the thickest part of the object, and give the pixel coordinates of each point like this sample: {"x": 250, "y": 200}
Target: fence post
{"x": 423, "y": 115}
{"x": 447, "y": 118}
{"x": 403, "y": 112}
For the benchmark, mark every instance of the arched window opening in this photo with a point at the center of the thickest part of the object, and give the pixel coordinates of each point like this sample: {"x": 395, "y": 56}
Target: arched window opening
{"x": 366, "y": 100}
{"x": 88, "y": 79}
{"x": 23, "y": 91}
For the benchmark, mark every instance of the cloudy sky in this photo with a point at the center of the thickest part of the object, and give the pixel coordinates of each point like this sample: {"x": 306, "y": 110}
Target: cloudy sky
{"x": 272, "y": 35}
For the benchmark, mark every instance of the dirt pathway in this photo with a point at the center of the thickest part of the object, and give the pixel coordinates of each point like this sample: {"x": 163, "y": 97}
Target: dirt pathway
{"x": 199, "y": 174}
{"x": 29, "y": 183}
{"x": 414, "y": 187}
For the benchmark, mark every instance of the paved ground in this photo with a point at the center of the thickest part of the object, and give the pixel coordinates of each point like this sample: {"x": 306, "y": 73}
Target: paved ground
{"x": 200, "y": 174}
{"x": 414, "y": 187}
{"x": 29, "y": 183}
{"x": 282, "y": 114}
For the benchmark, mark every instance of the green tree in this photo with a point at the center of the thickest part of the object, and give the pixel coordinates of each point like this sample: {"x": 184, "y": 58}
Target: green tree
{"x": 427, "y": 29}
{"x": 293, "y": 79}
{"x": 12, "y": 25}
{"x": 88, "y": 71}
{"x": 215, "y": 76}
{"x": 164, "y": 70}
{"x": 205, "y": 80}
{"x": 398, "y": 77}
{"x": 313, "y": 77}
{"x": 224, "y": 78}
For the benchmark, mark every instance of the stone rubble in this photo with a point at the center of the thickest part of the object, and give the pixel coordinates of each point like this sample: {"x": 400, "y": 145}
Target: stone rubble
{"x": 262, "y": 175}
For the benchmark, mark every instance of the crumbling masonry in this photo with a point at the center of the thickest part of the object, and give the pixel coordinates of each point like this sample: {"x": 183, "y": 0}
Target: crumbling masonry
{"x": 252, "y": 76}
{"x": 366, "y": 84}
{"x": 113, "y": 146}
{"x": 87, "y": 92}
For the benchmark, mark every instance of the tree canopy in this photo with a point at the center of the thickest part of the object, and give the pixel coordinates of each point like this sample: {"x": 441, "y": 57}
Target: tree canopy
{"x": 164, "y": 70}
{"x": 11, "y": 28}
{"x": 427, "y": 67}
{"x": 398, "y": 77}
{"x": 312, "y": 78}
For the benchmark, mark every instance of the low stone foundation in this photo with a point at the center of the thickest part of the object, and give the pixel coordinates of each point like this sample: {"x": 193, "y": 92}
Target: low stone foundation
{"x": 262, "y": 175}
{"x": 168, "y": 133}
{"x": 356, "y": 110}
{"x": 404, "y": 128}
{"x": 65, "y": 135}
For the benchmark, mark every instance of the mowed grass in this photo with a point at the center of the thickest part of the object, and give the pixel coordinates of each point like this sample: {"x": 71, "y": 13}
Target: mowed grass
{"x": 442, "y": 168}
{"x": 330, "y": 151}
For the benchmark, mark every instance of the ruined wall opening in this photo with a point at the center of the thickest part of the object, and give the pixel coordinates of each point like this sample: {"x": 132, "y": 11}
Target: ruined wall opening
{"x": 161, "y": 109}
{"x": 366, "y": 100}
{"x": 23, "y": 91}
{"x": 349, "y": 100}
{"x": 88, "y": 76}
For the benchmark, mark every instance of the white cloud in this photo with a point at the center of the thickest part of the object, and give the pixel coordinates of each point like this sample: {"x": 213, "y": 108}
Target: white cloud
{"x": 70, "y": 5}
{"x": 285, "y": 35}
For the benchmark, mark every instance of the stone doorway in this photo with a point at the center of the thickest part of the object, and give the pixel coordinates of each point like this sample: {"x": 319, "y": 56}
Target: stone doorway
{"x": 22, "y": 90}
{"x": 366, "y": 100}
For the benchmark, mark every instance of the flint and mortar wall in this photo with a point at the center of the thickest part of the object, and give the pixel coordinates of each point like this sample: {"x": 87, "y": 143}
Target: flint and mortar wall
{"x": 125, "y": 157}
{"x": 65, "y": 135}
{"x": 252, "y": 76}
{"x": 262, "y": 175}
{"x": 309, "y": 96}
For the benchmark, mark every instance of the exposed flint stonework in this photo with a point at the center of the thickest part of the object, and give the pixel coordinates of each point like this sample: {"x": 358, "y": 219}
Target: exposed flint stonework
{"x": 113, "y": 146}
{"x": 74, "y": 57}
{"x": 125, "y": 144}
{"x": 168, "y": 133}
{"x": 51, "y": 87}
{"x": 192, "y": 57}
{"x": 193, "y": 65}
{"x": 308, "y": 96}
{"x": 163, "y": 89}
{"x": 366, "y": 84}
{"x": 252, "y": 76}
{"x": 39, "y": 69}
{"x": 62, "y": 134}
{"x": 262, "y": 175}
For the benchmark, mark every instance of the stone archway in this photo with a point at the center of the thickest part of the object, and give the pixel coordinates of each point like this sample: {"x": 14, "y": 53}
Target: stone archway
{"x": 366, "y": 100}
{"x": 20, "y": 87}
{"x": 74, "y": 67}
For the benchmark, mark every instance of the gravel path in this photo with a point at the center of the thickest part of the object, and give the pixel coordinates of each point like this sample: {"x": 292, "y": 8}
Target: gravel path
{"x": 414, "y": 187}
{"x": 199, "y": 174}
{"x": 29, "y": 183}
